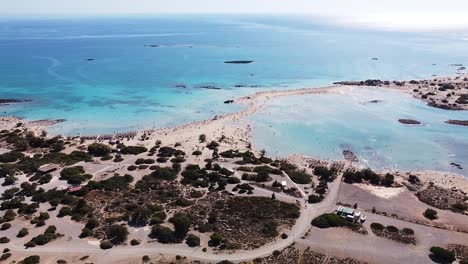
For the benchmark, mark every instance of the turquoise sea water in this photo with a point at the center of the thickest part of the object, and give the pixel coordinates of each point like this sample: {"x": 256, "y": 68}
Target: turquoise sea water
{"x": 324, "y": 125}
{"x": 128, "y": 85}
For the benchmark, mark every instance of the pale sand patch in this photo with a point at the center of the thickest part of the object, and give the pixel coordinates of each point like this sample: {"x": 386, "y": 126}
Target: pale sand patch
{"x": 94, "y": 242}
{"x": 382, "y": 192}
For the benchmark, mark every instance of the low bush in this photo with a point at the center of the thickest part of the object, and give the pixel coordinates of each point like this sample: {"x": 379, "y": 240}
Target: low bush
{"x": 5, "y": 226}
{"x": 22, "y": 232}
{"x": 329, "y": 220}
{"x": 377, "y": 226}
{"x": 408, "y": 231}
{"x": 313, "y": 198}
{"x": 192, "y": 240}
{"x": 99, "y": 150}
{"x": 5, "y": 256}
{"x": 442, "y": 255}
{"x": 31, "y": 260}
{"x": 299, "y": 177}
{"x": 430, "y": 214}
{"x": 134, "y": 242}
{"x": 106, "y": 244}
{"x": 392, "y": 229}
{"x": 132, "y": 150}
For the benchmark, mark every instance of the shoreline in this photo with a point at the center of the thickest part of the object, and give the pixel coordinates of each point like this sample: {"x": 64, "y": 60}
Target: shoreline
{"x": 231, "y": 124}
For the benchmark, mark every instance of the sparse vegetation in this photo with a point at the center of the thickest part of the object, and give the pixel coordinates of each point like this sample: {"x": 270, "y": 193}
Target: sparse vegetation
{"x": 406, "y": 235}
{"x": 430, "y": 214}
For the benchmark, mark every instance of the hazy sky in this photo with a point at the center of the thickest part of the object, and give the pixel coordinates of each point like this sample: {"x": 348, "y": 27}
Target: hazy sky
{"x": 385, "y": 13}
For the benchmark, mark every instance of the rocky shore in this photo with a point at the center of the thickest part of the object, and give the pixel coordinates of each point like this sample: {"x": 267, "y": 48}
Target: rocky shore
{"x": 450, "y": 93}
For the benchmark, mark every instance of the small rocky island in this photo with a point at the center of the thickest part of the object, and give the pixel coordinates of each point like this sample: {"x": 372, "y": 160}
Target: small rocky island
{"x": 457, "y": 122}
{"x": 409, "y": 121}
{"x": 12, "y": 101}
{"x": 239, "y": 62}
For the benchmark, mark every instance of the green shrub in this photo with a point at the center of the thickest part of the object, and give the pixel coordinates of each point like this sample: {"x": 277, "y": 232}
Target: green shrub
{"x": 233, "y": 180}
{"x": 460, "y": 207}
{"x": 163, "y": 234}
{"x": 11, "y": 156}
{"x": 377, "y": 226}
{"x": 117, "y": 234}
{"x": 106, "y": 244}
{"x": 192, "y": 240}
{"x": 107, "y": 157}
{"x": 299, "y": 177}
{"x": 430, "y": 214}
{"x": 313, "y": 198}
{"x": 4, "y": 240}
{"x": 5, "y": 256}
{"x": 164, "y": 173}
{"x": 441, "y": 255}
{"x": 408, "y": 231}
{"x": 270, "y": 229}
{"x": 46, "y": 178}
{"x": 329, "y": 220}
{"x": 86, "y": 232}
{"x": 134, "y": 242}
{"x": 99, "y": 150}
{"x": 22, "y": 232}
{"x": 74, "y": 175}
{"x": 325, "y": 173}
{"x": 392, "y": 229}
{"x": 181, "y": 222}
{"x": 132, "y": 150}
{"x": 215, "y": 240}
{"x": 5, "y": 226}
{"x": 118, "y": 159}
{"x": 92, "y": 223}
{"x": 31, "y": 260}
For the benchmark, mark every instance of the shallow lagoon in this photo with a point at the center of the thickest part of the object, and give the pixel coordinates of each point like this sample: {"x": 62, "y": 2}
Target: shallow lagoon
{"x": 323, "y": 125}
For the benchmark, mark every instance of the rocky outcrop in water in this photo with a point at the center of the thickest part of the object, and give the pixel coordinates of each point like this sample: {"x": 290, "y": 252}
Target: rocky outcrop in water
{"x": 457, "y": 122}
{"x": 409, "y": 121}
{"x": 239, "y": 62}
{"x": 229, "y": 101}
{"x": 209, "y": 87}
{"x": 350, "y": 156}
{"x": 458, "y": 166}
{"x": 12, "y": 101}
{"x": 363, "y": 83}
{"x": 46, "y": 122}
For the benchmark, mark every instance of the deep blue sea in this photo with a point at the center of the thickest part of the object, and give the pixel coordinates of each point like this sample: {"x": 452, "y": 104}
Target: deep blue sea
{"x": 99, "y": 74}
